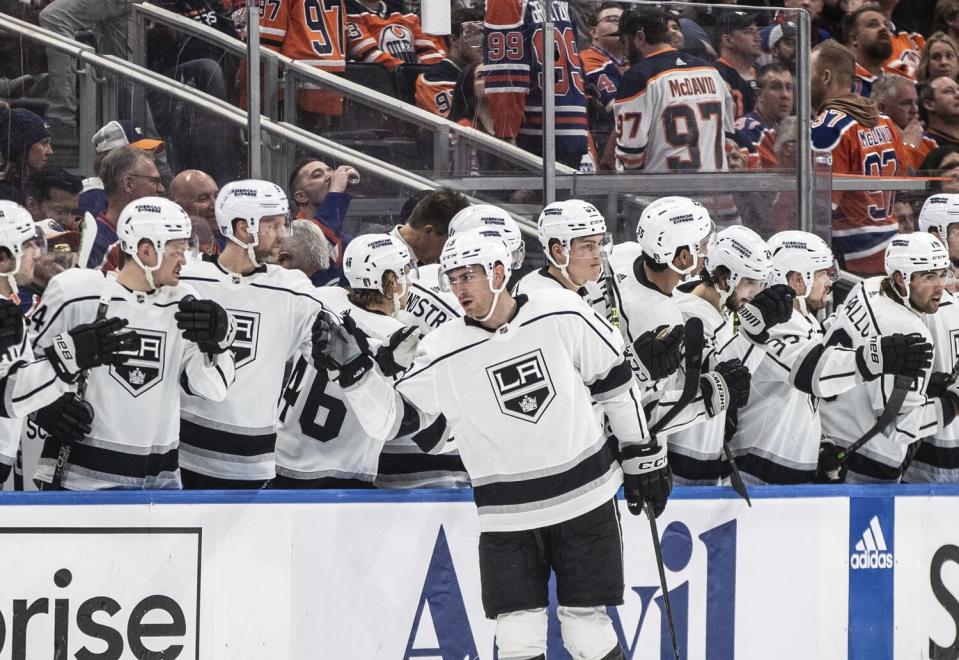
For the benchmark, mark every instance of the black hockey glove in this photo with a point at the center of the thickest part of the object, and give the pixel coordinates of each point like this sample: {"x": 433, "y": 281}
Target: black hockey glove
{"x": 396, "y": 355}
{"x": 830, "y": 469}
{"x": 939, "y": 383}
{"x": 206, "y": 324}
{"x": 647, "y": 479}
{"x": 659, "y": 351}
{"x": 11, "y": 324}
{"x": 725, "y": 387}
{"x": 341, "y": 347}
{"x": 91, "y": 345}
{"x": 771, "y": 306}
{"x": 898, "y": 354}
{"x": 67, "y": 419}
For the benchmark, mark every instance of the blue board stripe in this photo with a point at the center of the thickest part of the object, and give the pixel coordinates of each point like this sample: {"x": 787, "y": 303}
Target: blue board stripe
{"x": 872, "y": 529}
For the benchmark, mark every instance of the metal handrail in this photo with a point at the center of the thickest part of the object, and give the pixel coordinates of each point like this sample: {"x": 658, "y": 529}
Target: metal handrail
{"x": 351, "y": 90}
{"x": 44, "y": 36}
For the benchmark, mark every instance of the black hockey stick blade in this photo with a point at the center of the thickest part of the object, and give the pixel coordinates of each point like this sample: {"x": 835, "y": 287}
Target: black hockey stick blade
{"x": 693, "y": 342}
{"x": 611, "y": 307}
{"x": 658, "y": 551}
{"x": 888, "y": 416}
{"x": 735, "y": 478}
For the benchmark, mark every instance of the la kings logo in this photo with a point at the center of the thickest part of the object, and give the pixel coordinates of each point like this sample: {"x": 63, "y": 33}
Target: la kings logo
{"x": 522, "y": 386}
{"x": 145, "y": 369}
{"x": 247, "y": 333}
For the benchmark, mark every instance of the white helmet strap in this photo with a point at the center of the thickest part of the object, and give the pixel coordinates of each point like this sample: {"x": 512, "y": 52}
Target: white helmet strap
{"x": 149, "y": 270}
{"x": 496, "y": 294}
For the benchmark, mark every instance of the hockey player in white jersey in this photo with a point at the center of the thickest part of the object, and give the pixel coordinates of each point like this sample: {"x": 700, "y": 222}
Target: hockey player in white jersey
{"x": 672, "y": 234}
{"x": 544, "y": 479}
{"x": 231, "y": 443}
{"x": 936, "y": 459}
{"x": 320, "y": 443}
{"x": 913, "y": 287}
{"x": 41, "y": 384}
{"x": 736, "y": 269}
{"x": 779, "y": 429}
{"x": 182, "y": 345}
{"x": 424, "y": 234}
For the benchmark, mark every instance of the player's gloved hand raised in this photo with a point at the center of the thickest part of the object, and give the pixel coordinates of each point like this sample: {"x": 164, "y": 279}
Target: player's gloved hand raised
{"x": 725, "y": 387}
{"x": 396, "y": 355}
{"x": 11, "y": 324}
{"x": 341, "y": 346}
{"x": 67, "y": 419}
{"x": 91, "y": 345}
{"x": 659, "y": 351}
{"x": 647, "y": 479}
{"x": 771, "y": 306}
{"x": 897, "y": 354}
{"x": 205, "y": 323}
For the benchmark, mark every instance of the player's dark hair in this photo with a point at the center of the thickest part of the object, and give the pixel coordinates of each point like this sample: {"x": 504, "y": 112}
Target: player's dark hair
{"x": 464, "y": 95}
{"x": 851, "y": 20}
{"x": 463, "y": 15}
{"x": 294, "y": 181}
{"x": 437, "y": 209}
{"x": 54, "y": 178}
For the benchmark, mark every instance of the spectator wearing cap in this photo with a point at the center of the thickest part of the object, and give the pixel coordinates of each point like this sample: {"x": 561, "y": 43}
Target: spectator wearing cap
{"x": 939, "y": 101}
{"x": 738, "y": 45}
{"x": 25, "y": 148}
{"x": 128, "y": 174}
{"x": 319, "y": 193}
{"x": 780, "y": 40}
{"x": 112, "y": 136}
{"x": 867, "y": 36}
{"x": 940, "y": 57}
{"x": 774, "y": 102}
{"x": 196, "y": 192}
{"x": 54, "y": 194}
{"x": 434, "y": 87}
{"x": 896, "y": 97}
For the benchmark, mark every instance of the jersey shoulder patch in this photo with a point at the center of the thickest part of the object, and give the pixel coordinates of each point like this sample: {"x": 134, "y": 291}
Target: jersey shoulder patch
{"x": 829, "y": 128}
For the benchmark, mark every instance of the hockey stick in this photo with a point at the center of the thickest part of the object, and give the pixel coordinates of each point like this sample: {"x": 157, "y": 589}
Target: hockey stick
{"x": 658, "y": 551}
{"x": 81, "y": 395}
{"x": 608, "y": 280}
{"x": 735, "y": 478}
{"x": 888, "y": 416}
{"x": 694, "y": 342}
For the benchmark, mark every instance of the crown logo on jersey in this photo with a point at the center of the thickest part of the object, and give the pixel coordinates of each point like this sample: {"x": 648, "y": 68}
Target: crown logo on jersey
{"x": 247, "y": 333}
{"x": 144, "y": 370}
{"x": 522, "y": 386}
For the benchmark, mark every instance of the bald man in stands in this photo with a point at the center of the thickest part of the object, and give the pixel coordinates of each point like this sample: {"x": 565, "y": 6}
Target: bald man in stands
{"x": 196, "y": 192}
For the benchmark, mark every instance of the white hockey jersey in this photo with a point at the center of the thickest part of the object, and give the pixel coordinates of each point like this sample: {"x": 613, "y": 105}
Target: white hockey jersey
{"x": 868, "y": 313}
{"x": 427, "y": 306}
{"x": 535, "y": 453}
{"x": 592, "y": 293}
{"x": 133, "y": 442}
{"x": 274, "y": 310}
{"x": 937, "y": 457}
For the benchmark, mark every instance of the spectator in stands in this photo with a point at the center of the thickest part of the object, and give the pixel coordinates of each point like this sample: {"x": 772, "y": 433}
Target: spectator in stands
{"x": 939, "y": 101}
{"x": 782, "y": 44}
{"x": 469, "y": 100}
{"x": 196, "y": 192}
{"x": 305, "y": 249}
{"x": 319, "y": 193}
{"x": 943, "y": 162}
{"x": 426, "y": 230}
{"x": 946, "y": 18}
{"x": 434, "y": 87}
{"x": 940, "y": 57}
{"x": 905, "y": 216}
{"x": 604, "y": 63}
{"x": 867, "y": 36}
{"x": 785, "y": 213}
{"x": 376, "y": 34}
{"x": 738, "y": 45}
{"x": 861, "y": 141}
{"x": 774, "y": 101}
{"x": 896, "y": 97}
{"x": 128, "y": 174}
{"x": 113, "y": 135}
{"x": 24, "y": 148}
{"x": 815, "y": 9}
{"x": 906, "y": 46}
{"x": 676, "y": 37}
{"x": 55, "y": 195}
{"x": 67, "y": 17}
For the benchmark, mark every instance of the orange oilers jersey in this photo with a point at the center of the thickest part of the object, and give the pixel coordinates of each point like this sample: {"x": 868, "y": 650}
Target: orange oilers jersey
{"x": 434, "y": 88}
{"x": 389, "y": 38}
{"x": 311, "y": 31}
{"x": 863, "y": 222}
{"x": 906, "y": 51}
{"x": 674, "y": 112}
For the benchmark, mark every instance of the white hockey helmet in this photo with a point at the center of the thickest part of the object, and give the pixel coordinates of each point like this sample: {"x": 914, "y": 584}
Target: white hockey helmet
{"x": 801, "y": 252}
{"x": 477, "y": 247}
{"x": 917, "y": 252}
{"x": 938, "y": 212}
{"x": 671, "y": 223}
{"x": 154, "y": 219}
{"x": 568, "y": 220}
{"x": 250, "y": 200}
{"x": 744, "y": 253}
{"x": 16, "y": 229}
{"x": 368, "y": 257}
{"x": 487, "y": 215}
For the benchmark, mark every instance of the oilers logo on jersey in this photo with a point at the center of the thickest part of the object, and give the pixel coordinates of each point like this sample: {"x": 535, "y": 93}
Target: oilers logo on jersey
{"x": 140, "y": 373}
{"x": 522, "y": 386}
{"x": 247, "y": 332}
{"x": 397, "y": 40}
